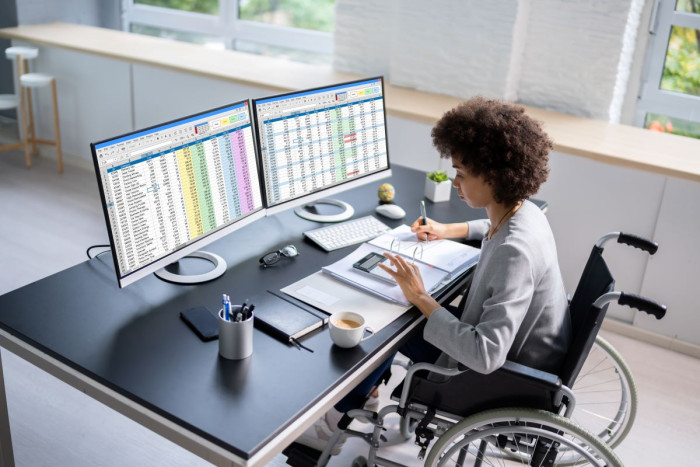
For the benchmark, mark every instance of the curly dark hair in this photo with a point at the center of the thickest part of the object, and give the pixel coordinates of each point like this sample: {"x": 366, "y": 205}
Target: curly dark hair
{"x": 496, "y": 140}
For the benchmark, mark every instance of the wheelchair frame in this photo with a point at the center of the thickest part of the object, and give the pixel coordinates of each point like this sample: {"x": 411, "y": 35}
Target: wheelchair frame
{"x": 522, "y": 435}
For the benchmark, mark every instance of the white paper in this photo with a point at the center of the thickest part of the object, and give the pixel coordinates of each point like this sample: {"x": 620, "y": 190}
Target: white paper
{"x": 377, "y": 312}
{"x": 343, "y": 270}
{"x": 317, "y": 295}
{"x": 453, "y": 257}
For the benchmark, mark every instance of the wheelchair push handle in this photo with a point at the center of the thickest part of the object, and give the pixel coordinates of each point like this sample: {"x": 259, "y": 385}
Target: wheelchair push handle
{"x": 629, "y": 239}
{"x": 638, "y": 242}
{"x": 643, "y": 304}
{"x": 634, "y": 301}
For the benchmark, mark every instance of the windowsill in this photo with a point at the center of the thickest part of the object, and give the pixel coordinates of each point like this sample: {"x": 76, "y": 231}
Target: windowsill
{"x": 620, "y": 145}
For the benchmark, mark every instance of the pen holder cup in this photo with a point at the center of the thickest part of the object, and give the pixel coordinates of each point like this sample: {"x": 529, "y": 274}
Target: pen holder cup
{"x": 235, "y": 338}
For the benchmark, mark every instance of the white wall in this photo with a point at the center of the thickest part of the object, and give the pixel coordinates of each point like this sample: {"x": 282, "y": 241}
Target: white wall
{"x": 161, "y": 95}
{"x": 92, "y": 12}
{"x": 572, "y": 56}
{"x": 673, "y": 274}
{"x": 94, "y": 98}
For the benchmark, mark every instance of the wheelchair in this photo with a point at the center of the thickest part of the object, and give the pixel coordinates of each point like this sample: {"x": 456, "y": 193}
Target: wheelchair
{"x": 519, "y": 415}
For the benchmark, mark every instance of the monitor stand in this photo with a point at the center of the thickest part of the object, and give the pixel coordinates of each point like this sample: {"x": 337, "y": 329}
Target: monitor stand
{"x": 307, "y": 211}
{"x": 218, "y": 271}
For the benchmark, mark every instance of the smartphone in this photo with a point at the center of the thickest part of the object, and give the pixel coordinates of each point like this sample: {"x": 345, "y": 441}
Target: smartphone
{"x": 370, "y": 265}
{"x": 202, "y": 322}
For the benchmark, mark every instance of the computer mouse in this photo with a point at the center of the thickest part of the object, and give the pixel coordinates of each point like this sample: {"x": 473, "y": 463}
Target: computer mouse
{"x": 392, "y": 211}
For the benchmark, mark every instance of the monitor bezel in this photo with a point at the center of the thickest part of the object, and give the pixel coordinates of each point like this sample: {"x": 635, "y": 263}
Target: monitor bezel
{"x": 321, "y": 192}
{"x": 194, "y": 245}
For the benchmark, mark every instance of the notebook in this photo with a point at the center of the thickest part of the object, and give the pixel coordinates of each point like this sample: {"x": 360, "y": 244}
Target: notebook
{"x": 448, "y": 255}
{"x": 439, "y": 261}
{"x": 287, "y": 318}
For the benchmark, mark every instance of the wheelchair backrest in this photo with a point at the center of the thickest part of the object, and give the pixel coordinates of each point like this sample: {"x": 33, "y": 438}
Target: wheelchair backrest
{"x": 586, "y": 319}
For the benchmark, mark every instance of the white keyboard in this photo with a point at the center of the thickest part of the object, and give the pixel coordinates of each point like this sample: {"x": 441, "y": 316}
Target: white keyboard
{"x": 342, "y": 234}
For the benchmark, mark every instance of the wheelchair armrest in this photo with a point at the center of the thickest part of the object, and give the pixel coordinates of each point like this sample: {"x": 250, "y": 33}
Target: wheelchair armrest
{"x": 541, "y": 378}
{"x": 416, "y": 367}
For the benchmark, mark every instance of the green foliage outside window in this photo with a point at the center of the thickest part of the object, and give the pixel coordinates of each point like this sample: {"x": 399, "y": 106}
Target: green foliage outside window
{"x": 690, "y": 6}
{"x": 209, "y": 7}
{"x": 682, "y": 65}
{"x": 677, "y": 126}
{"x": 307, "y": 14}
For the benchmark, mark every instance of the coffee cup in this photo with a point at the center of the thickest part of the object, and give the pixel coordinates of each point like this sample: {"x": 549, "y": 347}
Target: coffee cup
{"x": 348, "y": 329}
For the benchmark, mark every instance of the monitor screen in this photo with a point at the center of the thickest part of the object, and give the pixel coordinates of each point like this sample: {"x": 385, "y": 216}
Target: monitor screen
{"x": 173, "y": 188}
{"x": 317, "y": 142}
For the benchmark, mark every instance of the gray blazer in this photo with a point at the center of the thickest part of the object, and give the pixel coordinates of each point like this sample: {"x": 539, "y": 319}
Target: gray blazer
{"x": 516, "y": 308}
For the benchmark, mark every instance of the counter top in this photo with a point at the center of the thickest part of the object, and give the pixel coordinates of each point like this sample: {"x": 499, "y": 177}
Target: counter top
{"x": 615, "y": 144}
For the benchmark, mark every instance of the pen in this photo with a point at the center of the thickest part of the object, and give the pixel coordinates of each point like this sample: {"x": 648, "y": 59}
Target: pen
{"x": 249, "y": 312}
{"x": 424, "y": 218}
{"x": 244, "y": 310}
{"x": 224, "y": 305}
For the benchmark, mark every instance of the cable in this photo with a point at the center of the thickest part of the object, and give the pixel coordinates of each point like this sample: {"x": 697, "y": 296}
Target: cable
{"x": 87, "y": 252}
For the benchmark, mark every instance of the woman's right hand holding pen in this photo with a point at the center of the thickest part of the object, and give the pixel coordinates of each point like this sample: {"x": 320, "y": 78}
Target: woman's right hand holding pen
{"x": 435, "y": 230}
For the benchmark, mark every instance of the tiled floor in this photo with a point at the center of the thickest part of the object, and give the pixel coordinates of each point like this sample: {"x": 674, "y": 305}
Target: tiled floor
{"x": 46, "y": 222}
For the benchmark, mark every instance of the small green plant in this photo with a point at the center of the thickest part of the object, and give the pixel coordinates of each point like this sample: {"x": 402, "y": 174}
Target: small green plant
{"x": 438, "y": 176}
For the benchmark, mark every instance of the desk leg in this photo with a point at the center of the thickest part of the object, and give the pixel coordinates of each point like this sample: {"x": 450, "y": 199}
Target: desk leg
{"x": 7, "y": 458}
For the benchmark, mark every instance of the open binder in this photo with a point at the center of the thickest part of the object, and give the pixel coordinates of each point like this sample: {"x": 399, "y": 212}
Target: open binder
{"x": 439, "y": 261}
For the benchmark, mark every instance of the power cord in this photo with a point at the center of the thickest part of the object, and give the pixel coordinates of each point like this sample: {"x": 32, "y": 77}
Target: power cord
{"x": 87, "y": 252}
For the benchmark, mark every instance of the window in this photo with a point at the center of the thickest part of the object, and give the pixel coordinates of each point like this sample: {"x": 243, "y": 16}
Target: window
{"x": 296, "y": 29}
{"x": 670, "y": 95}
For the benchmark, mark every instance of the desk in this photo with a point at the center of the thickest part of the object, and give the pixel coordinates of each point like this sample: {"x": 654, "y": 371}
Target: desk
{"x": 129, "y": 349}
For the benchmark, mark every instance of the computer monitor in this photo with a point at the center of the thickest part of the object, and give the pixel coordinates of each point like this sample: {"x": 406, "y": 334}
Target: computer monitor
{"x": 171, "y": 189}
{"x": 319, "y": 142}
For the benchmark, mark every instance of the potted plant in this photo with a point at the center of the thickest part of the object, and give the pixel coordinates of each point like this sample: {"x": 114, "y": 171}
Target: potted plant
{"x": 438, "y": 186}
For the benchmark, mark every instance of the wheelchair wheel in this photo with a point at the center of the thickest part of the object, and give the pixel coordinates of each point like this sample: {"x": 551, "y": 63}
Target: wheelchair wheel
{"x": 537, "y": 436}
{"x": 606, "y": 398}
{"x": 606, "y": 395}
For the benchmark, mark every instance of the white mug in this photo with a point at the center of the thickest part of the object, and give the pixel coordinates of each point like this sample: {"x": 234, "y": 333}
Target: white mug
{"x": 347, "y": 329}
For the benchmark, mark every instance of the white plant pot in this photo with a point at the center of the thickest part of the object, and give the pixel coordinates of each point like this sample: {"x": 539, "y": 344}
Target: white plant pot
{"x": 437, "y": 192}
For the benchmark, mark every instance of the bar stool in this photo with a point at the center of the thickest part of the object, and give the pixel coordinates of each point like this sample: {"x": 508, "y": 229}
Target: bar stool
{"x": 28, "y": 81}
{"x": 40, "y": 80}
{"x": 21, "y": 57}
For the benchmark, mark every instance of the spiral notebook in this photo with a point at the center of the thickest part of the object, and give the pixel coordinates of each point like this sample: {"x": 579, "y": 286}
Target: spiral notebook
{"x": 439, "y": 261}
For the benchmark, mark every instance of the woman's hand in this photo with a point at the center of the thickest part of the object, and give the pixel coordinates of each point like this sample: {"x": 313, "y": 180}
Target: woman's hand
{"x": 408, "y": 277}
{"x": 432, "y": 229}
{"x": 435, "y": 230}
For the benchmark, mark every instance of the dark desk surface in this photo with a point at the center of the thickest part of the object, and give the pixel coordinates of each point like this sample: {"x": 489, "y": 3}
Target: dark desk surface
{"x": 133, "y": 341}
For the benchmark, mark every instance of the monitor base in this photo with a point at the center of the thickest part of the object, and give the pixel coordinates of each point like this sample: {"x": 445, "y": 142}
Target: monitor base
{"x": 304, "y": 213}
{"x": 219, "y": 269}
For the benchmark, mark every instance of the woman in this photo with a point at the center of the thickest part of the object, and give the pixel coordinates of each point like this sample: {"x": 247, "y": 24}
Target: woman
{"x": 516, "y": 308}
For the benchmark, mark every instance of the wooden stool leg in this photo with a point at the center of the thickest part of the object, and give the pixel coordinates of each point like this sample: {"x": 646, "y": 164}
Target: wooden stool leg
{"x": 30, "y": 109}
{"x": 59, "y": 154}
{"x": 27, "y": 157}
{"x": 32, "y": 129}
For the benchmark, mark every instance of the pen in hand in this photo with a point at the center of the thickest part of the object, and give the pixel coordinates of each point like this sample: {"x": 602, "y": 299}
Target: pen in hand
{"x": 424, "y": 218}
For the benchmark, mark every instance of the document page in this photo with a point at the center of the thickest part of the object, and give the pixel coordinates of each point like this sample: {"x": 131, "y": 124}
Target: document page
{"x": 330, "y": 295}
{"x": 343, "y": 270}
{"x": 453, "y": 257}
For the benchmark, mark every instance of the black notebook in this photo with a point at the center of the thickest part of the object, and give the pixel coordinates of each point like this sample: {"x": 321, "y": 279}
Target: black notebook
{"x": 287, "y": 318}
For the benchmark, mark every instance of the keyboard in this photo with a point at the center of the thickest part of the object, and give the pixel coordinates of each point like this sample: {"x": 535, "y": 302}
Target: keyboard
{"x": 342, "y": 234}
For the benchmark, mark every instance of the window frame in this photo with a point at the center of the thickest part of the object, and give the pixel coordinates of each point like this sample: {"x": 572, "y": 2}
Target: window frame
{"x": 227, "y": 26}
{"x": 653, "y": 99}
